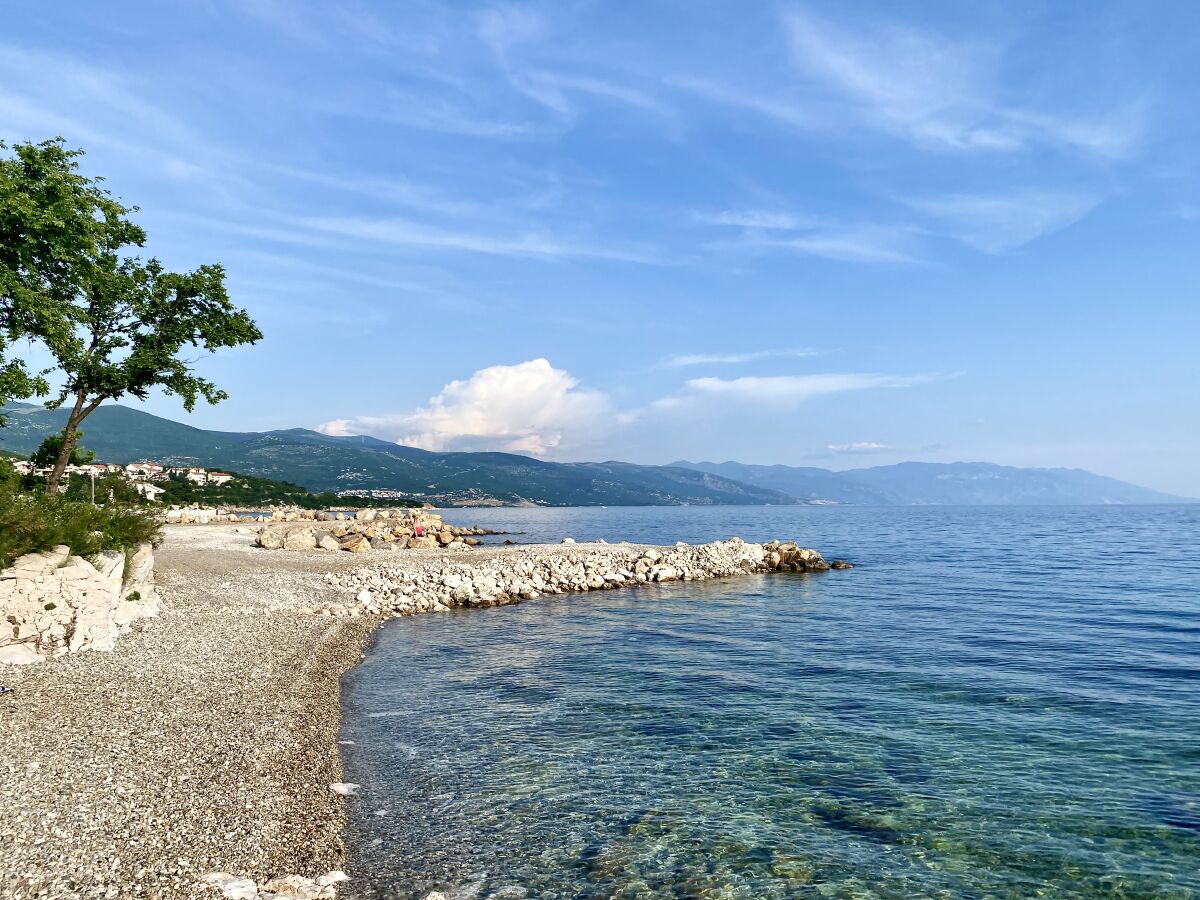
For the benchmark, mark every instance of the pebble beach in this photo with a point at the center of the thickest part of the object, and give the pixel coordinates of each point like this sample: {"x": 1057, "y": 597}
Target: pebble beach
{"x": 206, "y": 741}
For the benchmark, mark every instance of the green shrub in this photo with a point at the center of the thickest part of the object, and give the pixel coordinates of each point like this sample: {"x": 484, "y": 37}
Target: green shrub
{"x": 31, "y": 521}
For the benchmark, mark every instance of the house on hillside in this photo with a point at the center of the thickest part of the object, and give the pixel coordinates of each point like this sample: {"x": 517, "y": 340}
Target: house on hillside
{"x": 144, "y": 471}
{"x": 219, "y": 478}
{"x": 148, "y": 490}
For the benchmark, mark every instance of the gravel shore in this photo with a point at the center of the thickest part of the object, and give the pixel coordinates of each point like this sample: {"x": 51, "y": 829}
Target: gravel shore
{"x": 206, "y": 741}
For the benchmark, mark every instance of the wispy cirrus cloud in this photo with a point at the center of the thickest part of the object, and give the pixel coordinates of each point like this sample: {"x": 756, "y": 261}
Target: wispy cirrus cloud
{"x": 810, "y": 235}
{"x": 507, "y": 30}
{"x": 797, "y": 388}
{"x": 683, "y": 360}
{"x": 997, "y": 223}
{"x": 771, "y": 220}
{"x": 418, "y": 235}
{"x": 788, "y": 110}
{"x": 858, "y": 447}
{"x": 943, "y": 93}
{"x": 702, "y": 396}
{"x": 864, "y": 244}
{"x": 96, "y": 105}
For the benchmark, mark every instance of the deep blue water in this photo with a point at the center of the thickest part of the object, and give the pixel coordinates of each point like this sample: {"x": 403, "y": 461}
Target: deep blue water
{"x": 997, "y": 702}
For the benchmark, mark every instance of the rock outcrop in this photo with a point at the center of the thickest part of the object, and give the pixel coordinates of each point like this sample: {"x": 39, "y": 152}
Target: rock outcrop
{"x": 406, "y": 587}
{"x": 369, "y": 529}
{"x": 54, "y": 603}
{"x": 211, "y": 515}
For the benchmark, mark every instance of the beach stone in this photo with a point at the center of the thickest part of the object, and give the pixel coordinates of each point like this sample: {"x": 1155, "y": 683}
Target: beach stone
{"x": 295, "y": 887}
{"x": 300, "y": 539}
{"x": 328, "y": 542}
{"x": 19, "y": 654}
{"x": 356, "y": 543}
{"x": 232, "y": 887}
{"x": 270, "y": 537}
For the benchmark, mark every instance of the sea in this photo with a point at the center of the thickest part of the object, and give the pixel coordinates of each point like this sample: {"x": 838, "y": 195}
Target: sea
{"x": 995, "y": 702}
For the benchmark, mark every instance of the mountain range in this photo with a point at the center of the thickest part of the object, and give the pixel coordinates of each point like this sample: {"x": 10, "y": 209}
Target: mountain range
{"x": 320, "y": 462}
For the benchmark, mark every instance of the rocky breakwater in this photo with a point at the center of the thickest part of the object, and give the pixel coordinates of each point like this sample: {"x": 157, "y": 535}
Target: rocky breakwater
{"x": 210, "y": 515}
{"x": 423, "y": 584}
{"x": 368, "y": 529}
{"x": 54, "y": 603}
{"x": 201, "y": 515}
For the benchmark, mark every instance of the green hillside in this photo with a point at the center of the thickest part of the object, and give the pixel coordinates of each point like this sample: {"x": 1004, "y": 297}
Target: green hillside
{"x": 322, "y": 463}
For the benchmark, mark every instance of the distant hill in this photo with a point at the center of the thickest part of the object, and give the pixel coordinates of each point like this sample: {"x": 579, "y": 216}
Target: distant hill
{"x": 939, "y": 484}
{"x": 320, "y": 462}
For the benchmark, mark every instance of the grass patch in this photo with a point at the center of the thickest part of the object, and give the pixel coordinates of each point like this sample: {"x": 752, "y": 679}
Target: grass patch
{"x": 31, "y": 521}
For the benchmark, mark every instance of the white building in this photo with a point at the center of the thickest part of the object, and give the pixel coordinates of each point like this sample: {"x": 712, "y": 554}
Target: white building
{"x": 148, "y": 490}
{"x": 144, "y": 471}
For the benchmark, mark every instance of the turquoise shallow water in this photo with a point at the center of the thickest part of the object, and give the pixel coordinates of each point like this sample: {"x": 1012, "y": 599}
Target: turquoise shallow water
{"x": 995, "y": 703}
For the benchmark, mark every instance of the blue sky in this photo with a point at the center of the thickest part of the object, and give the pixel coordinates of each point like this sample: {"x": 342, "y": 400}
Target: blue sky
{"x": 818, "y": 234}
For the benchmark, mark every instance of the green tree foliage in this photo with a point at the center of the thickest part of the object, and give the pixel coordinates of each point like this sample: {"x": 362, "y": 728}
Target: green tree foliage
{"x": 249, "y": 492}
{"x": 51, "y": 219}
{"x": 47, "y": 454}
{"x": 32, "y": 521}
{"x": 108, "y": 489}
{"x": 114, "y": 324}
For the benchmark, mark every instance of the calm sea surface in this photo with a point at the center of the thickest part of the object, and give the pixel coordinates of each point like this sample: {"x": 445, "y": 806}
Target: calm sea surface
{"x": 997, "y": 702}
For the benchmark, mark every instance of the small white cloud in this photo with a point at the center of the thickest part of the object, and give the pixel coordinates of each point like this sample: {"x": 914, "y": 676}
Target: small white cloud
{"x": 857, "y": 447}
{"x": 337, "y": 428}
{"x": 530, "y": 408}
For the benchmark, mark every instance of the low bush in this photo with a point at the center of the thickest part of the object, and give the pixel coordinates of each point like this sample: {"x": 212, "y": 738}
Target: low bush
{"x": 31, "y": 521}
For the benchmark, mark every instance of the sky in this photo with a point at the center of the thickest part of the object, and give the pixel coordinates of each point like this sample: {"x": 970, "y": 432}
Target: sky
{"x": 829, "y": 234}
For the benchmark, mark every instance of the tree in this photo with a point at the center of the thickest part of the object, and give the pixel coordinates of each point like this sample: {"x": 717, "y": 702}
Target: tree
{"x": 115, "y": 325}
{"x": 47, "y": 454}
{"x": 51, "y": 220}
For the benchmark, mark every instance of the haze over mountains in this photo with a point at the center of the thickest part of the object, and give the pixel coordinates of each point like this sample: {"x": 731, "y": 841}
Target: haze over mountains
{"x": 321, "y": 462}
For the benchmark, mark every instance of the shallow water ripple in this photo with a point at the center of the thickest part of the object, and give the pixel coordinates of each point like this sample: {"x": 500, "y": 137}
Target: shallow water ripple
{"x": 995, "y": 703}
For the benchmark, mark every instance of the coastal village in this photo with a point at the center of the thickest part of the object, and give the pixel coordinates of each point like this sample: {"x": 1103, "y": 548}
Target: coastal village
{"x": 141, "y": 475}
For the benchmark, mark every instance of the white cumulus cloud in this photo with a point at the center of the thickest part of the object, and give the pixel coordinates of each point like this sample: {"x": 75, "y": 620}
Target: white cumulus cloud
{"x": 530, "y": 407}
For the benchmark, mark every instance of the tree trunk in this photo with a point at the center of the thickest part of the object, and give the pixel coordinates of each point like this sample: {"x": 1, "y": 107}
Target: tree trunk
{"x": 68, "y": 444}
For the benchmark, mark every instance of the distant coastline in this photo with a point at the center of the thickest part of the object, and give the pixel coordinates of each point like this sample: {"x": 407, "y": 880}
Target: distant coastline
{"x": 377, "y": 471}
